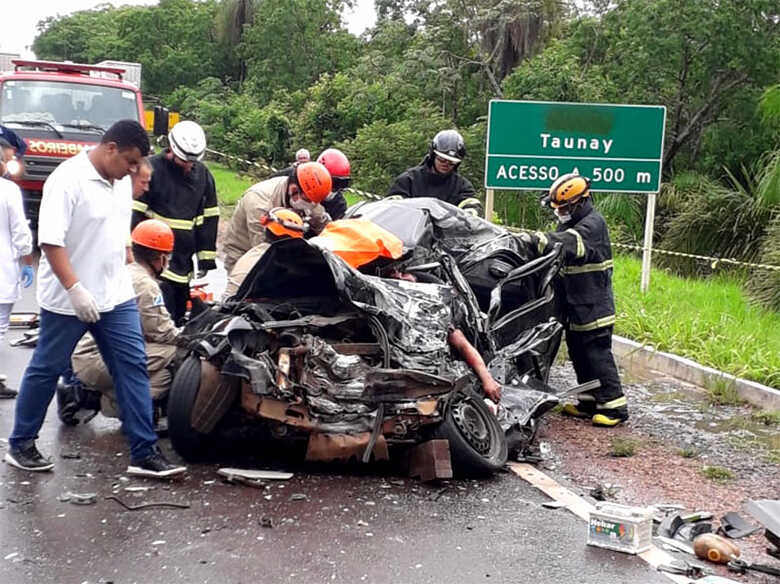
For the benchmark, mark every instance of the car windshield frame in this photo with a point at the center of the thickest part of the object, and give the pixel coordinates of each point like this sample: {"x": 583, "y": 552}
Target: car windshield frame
{"x": 67, "y": 106}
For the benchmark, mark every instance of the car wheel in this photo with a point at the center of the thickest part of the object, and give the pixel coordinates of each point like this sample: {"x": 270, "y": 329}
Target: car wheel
{"x": 477, "y": 443}
{"x": 196, "y": 403}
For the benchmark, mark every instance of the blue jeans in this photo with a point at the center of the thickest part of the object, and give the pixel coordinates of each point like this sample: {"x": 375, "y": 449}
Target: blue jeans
{"x": 120, "y": 340}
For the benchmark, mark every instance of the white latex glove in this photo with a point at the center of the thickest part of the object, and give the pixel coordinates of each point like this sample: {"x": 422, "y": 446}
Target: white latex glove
{"x": 83, "y": 303}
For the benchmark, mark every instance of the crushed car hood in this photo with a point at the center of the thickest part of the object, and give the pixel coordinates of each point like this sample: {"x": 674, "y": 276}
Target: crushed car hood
{"x": 415, "y": 316}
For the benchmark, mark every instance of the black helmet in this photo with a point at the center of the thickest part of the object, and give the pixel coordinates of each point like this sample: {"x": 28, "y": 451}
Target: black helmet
{"x": 449, "y": 145}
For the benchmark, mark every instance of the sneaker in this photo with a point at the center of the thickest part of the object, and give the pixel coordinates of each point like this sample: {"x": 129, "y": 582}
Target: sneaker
{"x": 578, "y": 410}
{"x": 156, "y": 466}
{"x": 28, "y": 459}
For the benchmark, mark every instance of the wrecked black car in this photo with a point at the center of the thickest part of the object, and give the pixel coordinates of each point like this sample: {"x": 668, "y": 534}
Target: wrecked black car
{"x": 355, "y": 364}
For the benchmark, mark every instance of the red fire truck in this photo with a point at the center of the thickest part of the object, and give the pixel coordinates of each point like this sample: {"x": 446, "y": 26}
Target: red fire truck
{"x": 59, "y": 109}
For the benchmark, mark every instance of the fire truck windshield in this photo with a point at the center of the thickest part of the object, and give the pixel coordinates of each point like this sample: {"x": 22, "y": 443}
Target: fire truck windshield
{"x": 65, "y": 106}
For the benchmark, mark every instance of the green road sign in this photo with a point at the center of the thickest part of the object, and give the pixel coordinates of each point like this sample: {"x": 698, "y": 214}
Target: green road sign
{"x": 531, "y": 143}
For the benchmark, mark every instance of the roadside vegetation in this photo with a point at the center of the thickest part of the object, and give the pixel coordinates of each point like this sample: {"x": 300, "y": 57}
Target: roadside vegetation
{"x": 718, "y": 474}
{"x": 230, "y": 186}
{"x": 708, "y": 320}
{"x": 623, "y": 447}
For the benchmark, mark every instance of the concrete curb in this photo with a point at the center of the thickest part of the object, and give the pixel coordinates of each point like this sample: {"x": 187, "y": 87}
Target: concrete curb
{"x": 629, "y": 351}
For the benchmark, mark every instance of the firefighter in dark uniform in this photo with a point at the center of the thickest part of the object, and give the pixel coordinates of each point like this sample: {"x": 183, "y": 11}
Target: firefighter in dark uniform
{"x": 587, "y": 297}
{"x": 437, "y": 175}
{"x": 183, "y": 195}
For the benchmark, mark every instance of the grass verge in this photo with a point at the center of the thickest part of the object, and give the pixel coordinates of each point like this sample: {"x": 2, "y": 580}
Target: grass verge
{"x": 709, "y": 321}
{"x": 230, "y": 184}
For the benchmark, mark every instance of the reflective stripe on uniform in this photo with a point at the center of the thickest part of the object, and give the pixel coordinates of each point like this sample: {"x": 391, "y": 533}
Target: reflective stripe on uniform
{"x": 593, "y": 325}
{"x": 174, "y": 277}
{"x": 580, "y": 243}
{"x": 470, "y": 202}
{"x": 140, "y": 206}
{"x": 198, "y": 220}
{"x": 618, "y": 402}
{"x": 211, "y": 212}
{"x": 605, "y": 265}
{"x": 207, "y": 255}
{"x": 543, "y": 241}
{"x": 183, "y": 224}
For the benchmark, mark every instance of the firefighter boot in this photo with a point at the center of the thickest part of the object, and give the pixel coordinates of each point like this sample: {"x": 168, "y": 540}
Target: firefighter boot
{"x": 582, "y": 409}
{"x": 611, "y": 413}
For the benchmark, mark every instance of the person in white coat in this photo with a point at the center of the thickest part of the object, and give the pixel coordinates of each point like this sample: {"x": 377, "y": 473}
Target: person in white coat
{"x": 15, "y": 257}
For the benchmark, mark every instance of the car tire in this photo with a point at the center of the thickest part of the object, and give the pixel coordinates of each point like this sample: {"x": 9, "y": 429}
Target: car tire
{"x": 191, "y": 444}
{"x": 478, "y": 445}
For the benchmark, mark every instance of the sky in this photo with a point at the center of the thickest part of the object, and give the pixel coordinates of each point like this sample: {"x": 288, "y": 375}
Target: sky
{"x": 19, "y": 25}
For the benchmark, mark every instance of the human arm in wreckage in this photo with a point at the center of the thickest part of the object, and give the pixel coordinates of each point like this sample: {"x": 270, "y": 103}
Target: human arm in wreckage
{"x": 471, "y": 356}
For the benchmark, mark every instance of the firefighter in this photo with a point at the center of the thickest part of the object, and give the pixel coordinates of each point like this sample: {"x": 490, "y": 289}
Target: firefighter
{"x": 152, "y": 242}
{"x": 437, "y": 175}
{"x": 279, "y": 223}
{"x": 183, "y": 195}
{"x": 588, "y": 302}
{"x": 337, "y": 164}
{"x": 302, "y": 191}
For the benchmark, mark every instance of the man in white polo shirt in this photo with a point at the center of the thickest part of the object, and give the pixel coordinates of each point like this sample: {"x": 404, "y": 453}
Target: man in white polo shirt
{"x": 84, "y": 285}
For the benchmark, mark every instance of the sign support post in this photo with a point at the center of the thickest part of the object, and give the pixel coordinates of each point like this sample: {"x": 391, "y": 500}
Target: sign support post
{"x": 647, "y": 248}
{"x": 489, "y": 205}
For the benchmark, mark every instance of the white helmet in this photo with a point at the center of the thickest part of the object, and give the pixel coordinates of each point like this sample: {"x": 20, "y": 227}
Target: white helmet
{"x": 302, "y": 155}
{"x": 187, "y": 141}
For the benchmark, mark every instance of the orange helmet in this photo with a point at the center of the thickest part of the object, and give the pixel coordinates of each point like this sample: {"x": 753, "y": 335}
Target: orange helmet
{"x": 283, "y": 222}
{"x": 314, "y": 180}
{"x": 568, "y": 189}
{"x": 154, "y": 234}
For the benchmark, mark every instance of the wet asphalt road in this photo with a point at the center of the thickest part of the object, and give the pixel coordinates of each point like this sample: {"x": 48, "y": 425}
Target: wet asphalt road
{"x": 329, "y": 524}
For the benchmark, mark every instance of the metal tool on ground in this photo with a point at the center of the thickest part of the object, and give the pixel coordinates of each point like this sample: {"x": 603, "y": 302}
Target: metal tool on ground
{"x": 578, "y": 390}
{"x": 715, "y": 548}
{"x": 741, "y": 566}
{"x": 681, "y": 567}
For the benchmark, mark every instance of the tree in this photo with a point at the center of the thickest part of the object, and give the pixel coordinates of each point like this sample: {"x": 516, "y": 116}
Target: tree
{"x": 234, "y": 17}
{"x": 74, "y": 37}
{"x": 292, "y": 42}
{"x": 175, "y": 41}
{"x": 690, "y": 56}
